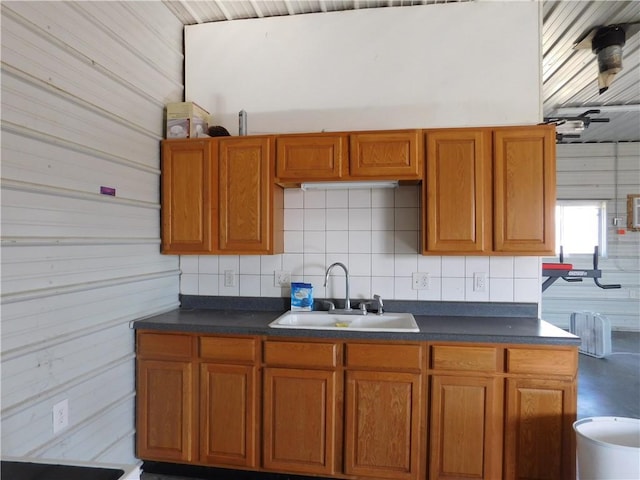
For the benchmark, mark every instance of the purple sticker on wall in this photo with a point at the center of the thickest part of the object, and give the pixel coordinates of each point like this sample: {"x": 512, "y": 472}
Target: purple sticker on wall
{"x": 108, "y": 191}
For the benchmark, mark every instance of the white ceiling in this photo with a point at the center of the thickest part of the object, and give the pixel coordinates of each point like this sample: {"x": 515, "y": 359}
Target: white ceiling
{"x": 569, "y": 76}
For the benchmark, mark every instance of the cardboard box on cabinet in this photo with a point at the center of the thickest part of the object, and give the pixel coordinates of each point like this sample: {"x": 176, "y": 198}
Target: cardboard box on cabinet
{"x": 186, "y": 120}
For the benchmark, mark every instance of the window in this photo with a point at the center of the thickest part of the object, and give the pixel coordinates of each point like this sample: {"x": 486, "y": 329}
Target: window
{"x": 580, "y": 226}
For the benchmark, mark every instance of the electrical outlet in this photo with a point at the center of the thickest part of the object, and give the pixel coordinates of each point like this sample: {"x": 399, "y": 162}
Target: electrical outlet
{"x": 229, "y": 278}
{"x": 479, "y": 282}
{"x": 281, "y": 278}
{"x": 60, "y": 416}
{"x": 420, "y": 281}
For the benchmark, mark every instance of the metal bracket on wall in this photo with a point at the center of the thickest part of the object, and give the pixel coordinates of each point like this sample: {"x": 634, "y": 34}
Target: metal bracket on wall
{"x": 554, "y": 271}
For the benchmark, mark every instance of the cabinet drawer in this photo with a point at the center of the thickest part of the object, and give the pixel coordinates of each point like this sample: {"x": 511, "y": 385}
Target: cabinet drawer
{"x": 165, "y": 345}
{"x": 544, "y": 361}
{"x": 242, "y": 350}
{"x": 387, "y": 357}
{"x": 475, "y": 359}
{"x": 301, "y": 354}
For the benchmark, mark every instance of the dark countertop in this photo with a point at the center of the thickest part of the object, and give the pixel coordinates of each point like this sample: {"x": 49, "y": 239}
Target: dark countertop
{"x": 487, "y": 327}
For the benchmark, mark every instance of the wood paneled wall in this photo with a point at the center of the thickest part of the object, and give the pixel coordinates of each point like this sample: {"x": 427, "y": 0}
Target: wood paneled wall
{"x": 84, "y": 86}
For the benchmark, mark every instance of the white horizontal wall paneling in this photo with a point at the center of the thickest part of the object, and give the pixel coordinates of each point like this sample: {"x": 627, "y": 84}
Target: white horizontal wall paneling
{"x": 601, "y": 172}
{"x": 84, "y": 86}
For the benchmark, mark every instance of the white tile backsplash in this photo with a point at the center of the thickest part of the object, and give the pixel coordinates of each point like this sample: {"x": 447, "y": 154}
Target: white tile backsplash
{"x": 501, "y": 267}
{"x": 476, "y": 265}
{"x": 382, "y": 265}
{"x": 337, "y": 242}
{"x": 229, "y": 262}
{"x": 294, "y": 218}
{"x": 315, "y": 199}
{"x": 359, "y": 242}
{"x": 337, "y": 219}
{"x": 189, "y": 264}
{"x": 453, "y": 267}
{"x": 207, "y": 264}
{"x": 501, "y": 289}
{"x": 382, "y": 218}
{"x": 406, "y": 219}
{"x": 382, "y": 242}
{"x": 293, "y": 198}
{"x": 406, "y": 242}
{"x": 338, "y": 199}
{"x": 376, "y": 234}
{"x": 405, "y": 265}
{"x": 208, "y": 284}
{"x": 189, "y": 284}
{"x": 315, "y": 220}
{"x": 250, "y": 285}
{"x": 359, "y": 199}
{"x": 382, "y": 197}
{"x": 294, "y": 241}
{"x": 270, "y": 263}
{"x": 453, "y": 289}
{"x": 526, "y": 289}
{"x": 314, "y": 242}
{"x": 527, "y": 267}
{"x": 360, "y": 264}
{"x": 249, "y": 265}
{"x": 360, "y": 219}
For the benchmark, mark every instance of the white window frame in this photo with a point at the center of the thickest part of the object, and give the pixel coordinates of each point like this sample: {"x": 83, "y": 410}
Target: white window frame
{"x": 602, "y": 226}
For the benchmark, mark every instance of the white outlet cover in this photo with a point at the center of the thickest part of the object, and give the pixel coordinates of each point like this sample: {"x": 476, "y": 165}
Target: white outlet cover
{"x": 60, "y": 416}
{"x": 281, "y": 278}
{"x": 229, "y": 278}
{"x": 479, "y": 282}
{"x": 420, "y": 281}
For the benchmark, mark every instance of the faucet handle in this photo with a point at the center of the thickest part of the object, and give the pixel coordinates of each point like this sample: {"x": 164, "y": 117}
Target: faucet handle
{"x": 330, "y": 304}
{"x": 363, "y": 307}
{"x": 378, "y": 299}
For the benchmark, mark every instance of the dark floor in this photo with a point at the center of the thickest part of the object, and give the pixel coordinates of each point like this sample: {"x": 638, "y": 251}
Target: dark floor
{"x": 606, "y": 387}
{"x": 610, "y": 386}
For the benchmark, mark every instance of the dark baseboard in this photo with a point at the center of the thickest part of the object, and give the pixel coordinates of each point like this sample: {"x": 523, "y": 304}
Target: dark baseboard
{"x": 210, "y": 473}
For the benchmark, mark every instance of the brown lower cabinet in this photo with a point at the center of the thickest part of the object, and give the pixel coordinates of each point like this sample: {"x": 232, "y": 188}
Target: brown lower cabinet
{"x": 357, "y": 409}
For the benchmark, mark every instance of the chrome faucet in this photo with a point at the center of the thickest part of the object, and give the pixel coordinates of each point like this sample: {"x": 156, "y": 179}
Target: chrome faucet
{"x": 347, "y": 302}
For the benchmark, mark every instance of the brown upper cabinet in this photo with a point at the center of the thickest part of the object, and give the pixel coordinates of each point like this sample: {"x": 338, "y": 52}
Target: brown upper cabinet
{"x": 380, "y": 155}
{"x": 485, "y": 190}
{"x": 219, "y": 197}
{"x": 189, "y": 196}
{"x": 524, "y": 185}
{"x": 490, "y": 191}
{"x": 312, "y": 157}
{"x": 386, "y": 155}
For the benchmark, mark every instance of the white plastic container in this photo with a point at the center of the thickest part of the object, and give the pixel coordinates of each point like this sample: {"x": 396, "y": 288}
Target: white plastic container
{"x": 608, "y": 448}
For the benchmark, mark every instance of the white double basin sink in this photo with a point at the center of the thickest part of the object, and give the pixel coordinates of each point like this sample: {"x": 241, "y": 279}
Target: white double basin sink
{"x": 322, "y": 320}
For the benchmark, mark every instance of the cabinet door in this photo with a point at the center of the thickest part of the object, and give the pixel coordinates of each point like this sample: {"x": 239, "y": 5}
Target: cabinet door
{"x": 228, "y": 415}
{"x": 465, "y": 428}
{"x": 166, "y": 405}
{"x": 539, "y": 440}
{"x": 189, "y": 197}
{"x": 300, "y": 421}
{"x": 524, "y": 190}
{"x": 382, "y": 424}
{"x": 311, "y": 157}
{"x": 250, "y": 204}
{"x": 457, "y": 192}
{"x": 386, "y": 155}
